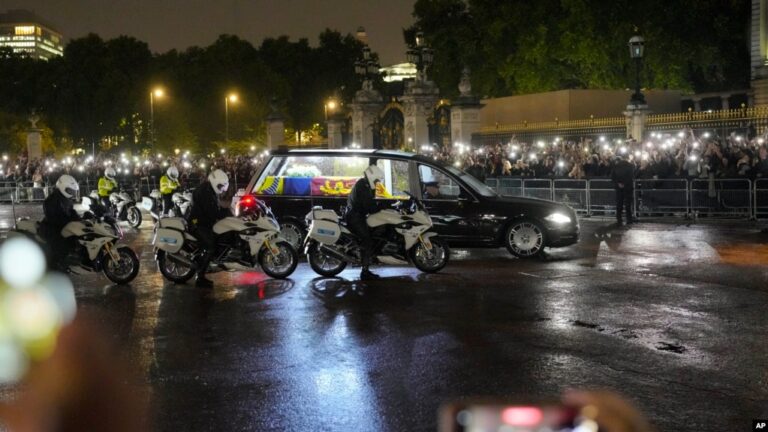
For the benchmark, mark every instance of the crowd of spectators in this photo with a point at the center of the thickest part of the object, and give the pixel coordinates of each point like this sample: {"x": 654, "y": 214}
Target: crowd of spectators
{"x": 682, "y": 155}
{"x": 131, "y": 171}
{"x": 678, "y": 155}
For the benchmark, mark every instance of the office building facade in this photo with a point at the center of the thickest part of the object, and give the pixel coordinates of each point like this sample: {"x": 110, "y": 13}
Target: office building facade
{"x": 27, "y": 34}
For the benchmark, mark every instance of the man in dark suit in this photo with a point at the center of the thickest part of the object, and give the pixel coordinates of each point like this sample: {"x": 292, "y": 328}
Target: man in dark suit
{"x": 623, "y": 177}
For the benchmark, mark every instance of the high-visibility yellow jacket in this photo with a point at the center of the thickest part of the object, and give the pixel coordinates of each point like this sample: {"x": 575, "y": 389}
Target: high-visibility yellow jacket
{"x": 168, "y": 185}
{"x": 105, "y": 186}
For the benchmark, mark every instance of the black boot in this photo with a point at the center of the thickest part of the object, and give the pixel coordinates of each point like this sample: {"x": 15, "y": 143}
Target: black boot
{"x": 203, "y": 282}
{"x": 367, "y": 274}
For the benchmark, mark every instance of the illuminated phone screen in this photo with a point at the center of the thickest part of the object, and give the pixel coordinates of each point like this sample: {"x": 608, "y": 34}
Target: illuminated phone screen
{"x": 521, "y": 418}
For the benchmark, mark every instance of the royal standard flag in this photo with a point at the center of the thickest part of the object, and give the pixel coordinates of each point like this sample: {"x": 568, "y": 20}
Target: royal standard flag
{"x": 272, "y": 186}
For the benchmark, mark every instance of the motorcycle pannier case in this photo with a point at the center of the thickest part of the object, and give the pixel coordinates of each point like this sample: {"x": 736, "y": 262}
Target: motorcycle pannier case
{"x": 326, "y": 215}
{"x": 325, "y": 232}
{"x": 173, "y": 223}
{"x": 169, "y": 240}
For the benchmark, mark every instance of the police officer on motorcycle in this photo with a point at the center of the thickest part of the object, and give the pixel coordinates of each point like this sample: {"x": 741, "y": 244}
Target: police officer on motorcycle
{"x": 205, "y": 212}
{"x": 168, "y": 185}
{"x": 360, "y": 204}
{"x": 107, "y": 184}
{"x": 59, "y": 211}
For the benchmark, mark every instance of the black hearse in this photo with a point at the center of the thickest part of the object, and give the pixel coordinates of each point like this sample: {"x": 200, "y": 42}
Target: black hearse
{"x": 465, "y": 212}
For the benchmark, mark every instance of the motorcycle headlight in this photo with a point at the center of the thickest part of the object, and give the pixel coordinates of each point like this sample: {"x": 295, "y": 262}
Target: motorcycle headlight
{"x": 558, "y": 218}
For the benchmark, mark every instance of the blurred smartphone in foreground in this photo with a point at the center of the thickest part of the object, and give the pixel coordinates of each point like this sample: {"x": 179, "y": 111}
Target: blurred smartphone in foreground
{"x": 505, "y": 416}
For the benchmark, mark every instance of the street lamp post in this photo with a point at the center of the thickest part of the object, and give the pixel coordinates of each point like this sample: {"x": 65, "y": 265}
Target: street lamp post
{"x": 636, "y": 49}
{"x": 331, "y": 105}
{"x": 367, "y": 68}
{"x": 159, "y": 93}
{"x": 232, "y": 97}
{"x": 420, "y": 55}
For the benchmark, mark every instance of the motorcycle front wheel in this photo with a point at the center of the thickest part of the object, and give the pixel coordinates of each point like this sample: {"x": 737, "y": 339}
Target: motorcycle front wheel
{"x": 125, "y": 269}
{"x": 430, "y": 260}
{"x": 282, "y": 263}
{"x": 173, "y": 270}
{"x": 134, "y": 217}
{"x": 323, "y": 264}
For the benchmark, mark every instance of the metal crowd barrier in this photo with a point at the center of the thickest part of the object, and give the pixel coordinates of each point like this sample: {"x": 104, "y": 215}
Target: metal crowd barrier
{"x": 511, "y": 187}
{"x": 537, "y": 188}
{"x": 28, "y": 192}
{"x": 761, "y": 198}
{"x": 721, "y": 197}
{"x": 661, "y": 197}
{"x": 732, "y": 198}
{"x": 602, "y": 197}
{"x": 7, "y": 191}
{"x": 575, "y": 193}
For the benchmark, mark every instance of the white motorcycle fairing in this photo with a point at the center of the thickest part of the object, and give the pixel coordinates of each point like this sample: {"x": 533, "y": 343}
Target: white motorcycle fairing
{"x": 325, "y": 228}
{"x": 393, "y": 217}
{"x": 81, "y": 229}
{"x": 269, "y": 227}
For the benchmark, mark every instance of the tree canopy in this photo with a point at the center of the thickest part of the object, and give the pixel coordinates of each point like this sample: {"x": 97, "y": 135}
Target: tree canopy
{"x": 517, "y": 46}
{"x": 99, "y": 91}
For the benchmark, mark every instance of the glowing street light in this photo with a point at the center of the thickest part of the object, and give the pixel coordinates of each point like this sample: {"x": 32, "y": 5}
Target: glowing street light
{"x": 231, "y": 98}
{"x": 159, "y": 93}
{"x": 331, "y": 106}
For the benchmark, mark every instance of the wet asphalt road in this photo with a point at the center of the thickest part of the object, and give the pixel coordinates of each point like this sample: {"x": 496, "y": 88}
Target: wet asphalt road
{"x": 672, "y": 316}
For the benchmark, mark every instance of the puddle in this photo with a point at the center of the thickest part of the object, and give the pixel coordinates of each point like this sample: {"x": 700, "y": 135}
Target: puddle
{"x": 666, "y": 346}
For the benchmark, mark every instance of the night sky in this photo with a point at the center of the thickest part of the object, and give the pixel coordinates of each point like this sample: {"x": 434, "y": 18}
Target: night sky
{"x": 167, "y": 24}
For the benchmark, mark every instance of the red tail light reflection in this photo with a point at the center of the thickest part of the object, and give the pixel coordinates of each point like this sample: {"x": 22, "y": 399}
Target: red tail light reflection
{"x": 522, "y": 416}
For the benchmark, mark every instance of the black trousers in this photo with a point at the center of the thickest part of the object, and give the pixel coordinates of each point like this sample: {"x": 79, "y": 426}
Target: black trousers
{"x": 624, "y": 198}
{"x": 107, "y": 204}
{"x": 57, "y": 248}
{"x": 358, "y": 226}
{"x": 167, "y": 203}
{"x": 207, "y": 239}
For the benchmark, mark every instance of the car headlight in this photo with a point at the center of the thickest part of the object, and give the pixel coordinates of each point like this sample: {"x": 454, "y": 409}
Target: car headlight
{"x": 558, "y": 218}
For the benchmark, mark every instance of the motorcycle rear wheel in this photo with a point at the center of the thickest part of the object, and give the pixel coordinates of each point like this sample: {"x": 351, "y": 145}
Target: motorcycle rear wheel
{"x": 283, "y": 264}
{"x": 125, "y": 270}
{"x": 172, "y": 270}
{"x": 134, "y": 217}
{"x": 323, "y": 264}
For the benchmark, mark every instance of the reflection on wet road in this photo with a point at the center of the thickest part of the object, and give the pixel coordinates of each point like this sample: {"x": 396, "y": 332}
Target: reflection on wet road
{"x": 671, "y": 316}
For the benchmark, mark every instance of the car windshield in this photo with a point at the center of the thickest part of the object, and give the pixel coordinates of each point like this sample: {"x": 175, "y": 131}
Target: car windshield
{"x": 475, "y": 184}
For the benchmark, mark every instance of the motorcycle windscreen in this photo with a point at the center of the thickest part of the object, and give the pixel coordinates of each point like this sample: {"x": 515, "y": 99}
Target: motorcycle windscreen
{"x": 169, "y": 240}
{"x": 325, "y": 232}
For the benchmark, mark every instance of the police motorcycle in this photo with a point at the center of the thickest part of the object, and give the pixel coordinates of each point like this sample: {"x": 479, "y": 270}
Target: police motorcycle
{"x": 400, "y": 236}
{"x": 153, "y": 204}
{"x": 182, "y": 204}
{"x": 93, "y": 209}
{"x": 96, "y": 250}
{"x": 125, "y": 208}
{"x": 243, "y": 243}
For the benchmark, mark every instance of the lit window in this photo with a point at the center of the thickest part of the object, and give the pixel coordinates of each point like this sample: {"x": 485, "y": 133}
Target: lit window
{"x": 25, "y": 30}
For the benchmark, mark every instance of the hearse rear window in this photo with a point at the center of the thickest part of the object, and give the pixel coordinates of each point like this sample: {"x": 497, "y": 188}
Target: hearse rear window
{"x": 329, "y": 176}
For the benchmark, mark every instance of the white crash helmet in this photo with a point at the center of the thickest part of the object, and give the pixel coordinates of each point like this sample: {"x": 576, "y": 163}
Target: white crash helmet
{"x": 109, "y": 173}
{"x": 173, "y": 172}
{"x": 373, "y": 174}
{"x": 219, "y": 180}
{"x": 67, "y": 185}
